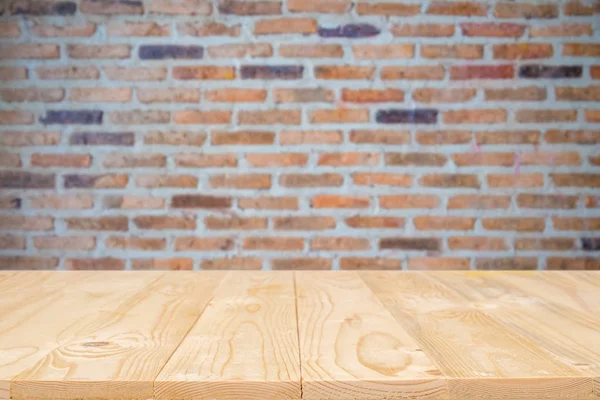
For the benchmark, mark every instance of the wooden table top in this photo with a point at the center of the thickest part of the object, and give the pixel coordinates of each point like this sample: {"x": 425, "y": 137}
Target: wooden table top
{"x": 288, "y": 335}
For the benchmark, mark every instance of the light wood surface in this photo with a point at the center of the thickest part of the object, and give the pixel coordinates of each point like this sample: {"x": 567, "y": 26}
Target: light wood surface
{"x": 250, "y": 335}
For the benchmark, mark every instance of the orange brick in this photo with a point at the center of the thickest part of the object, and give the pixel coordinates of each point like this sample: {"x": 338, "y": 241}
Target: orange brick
{"x": 117, "y": 223}
{"x": 241, "y": 7}
{"x": 55, "y": 30}
{"x": 528, "y": 200}
{"x": 387, "y": 9}
{"x": 526, "y": 10}
{"x": 383, "y": 179}
{"x": 270, "y": 117}
{"x": 171, "y": 264}
{"x": 431, "y": 95}
{"x": 581, "y": 49}
{"x": 339, "y": 244}
{"x": 302, "y": 223}
{"x": 418, "y": 159}
{"x": 372, "y": 95}
{"x": 311, "y": 50}
{"x": 479, "y": 158}
{"x": 26, "y": 223}
{"x": 478, "y": 202}
{"x": 541, "y": 116}
{"x": 515, "y": 180}
{"x": 175, "y": 138}
{"x": 491, "y": 29}
{"x": 588, "y": 93}
{"x": 280, "y": 26}
{"x": 476, "y": 243}
{"x": 140, "y": 117}
{"x": 507, "y": 137}
{"x": 161, "y": 181}
{"x": 60, "y": 202}
{"x": 268, "y": 203}
{"x": 110, "y": 7}
{"x": 479, "y": 116}
{"x": 572, "y": 264}
{"x": 547, "y": 158}
{"x": 514, "y": 224}
{"x": 32, "y": 94}
{"x": 435, "y": 138}
{"x": 161, "y": 222}
{"x": 236, "y": 95}
{"x": 204, "y": 72}
{"x": 10, "y": 29}
{"x": 133, "y": 202}
{"x": 233, "y": 263}
{"x": 204, "y": 160}
{"x": 527, "y": 93}
{"x": 202, "y": 117}
{"x": 136, "y": 160}
{"x": 101, "y": 95}
{"x": 364, "y": 263}
{"x": 438, "y": 264}
{"x": 320, "y": 6}
{"x": 241, "y": 181}
{"x": 305, "y": 95}
{"x": 181, "y": 7}
{"x": 592, "y": 115}
{"x": 383, "y": 51}
{"x": 457, "y": 8}
{"x": 107, "y": 51}
{"x": 277, "y": 160}
{"x": 191, "y": 243}
{"x": 423, "y": 30}
{"x": 129, "y": 74}
{"x": 342, "y": 72}
{"x": 450, "y": 181}
{"x": 339, "y": 116}
{"x": 561, "y": 30}
{"x": 13, "y": 73}
{"x": 581, "y": 8}
{"x": 576, "y": 223}
{"x": 440, "y": 222}
{"x": 417, "y": 73}
{"x": 64, "y": 242}
{"x": 235, "y": 223}
{"x": 243, "y": 138}
{"x": 243, "y": 50}
{"x": 168, "y": 95}
{"x": 29, "y": 51}
{"x": 462, "y": 51}
{"x": 380, "y": 136}
{"x": 470, "y": 72}
{"x": 375, "y": 222}
{"x": 346, "y": 159}
{"x": 337, "y": 201}
{"x": 137, "y": 29}
{"x": 274, "y": 243}
{"x": 397, "y": 201}
{"x": 301, "y": 264}
{"x": 310, "y": 137}
{"x": 576, "y": 180}
{"x": 135, "y": 243}
{"x": 202, "y": 29}
{"x": 61, "y": 160}
{"x": 522, "y": 51}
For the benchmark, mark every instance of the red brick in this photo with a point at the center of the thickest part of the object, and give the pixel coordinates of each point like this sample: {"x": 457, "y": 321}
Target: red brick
{"x": 268, "y": 203}
{"x": 101, "y": 95}
{"x": 9, "y": 29}
{"x": 241, "y": 7}
{"x": 592, "y": 115}
{"x": 338, "y": 201}
{"x": 64, "y": 242}
{"x": 203, "y": 29}
{"x": 29, "y": 51}
{"x": 416, "y": 73}
{"x": 160, "y": 222}
{"x": 384, "y": 179}
{"x": 527, "y": 93}
{"x": 135, "y": 243}
{"x": 397, "y": 201}
{"x": 441, "y": 222}
{"x": 270, "y": 117}
{"x": 61, "y": 202}
{"x": 431, "y": 95}
{"x": 507, "y": 137}
{"x": 107, "y": 51}
{"x": 458, "y": 8}
{"x": 364, "y": 263}
{"x": 387, "y": 9}
{"x": 423, "y": 30}
{"x": 280, "y": 26}
{"x": 417, "y": 159}
{"x": 26, "y": 262}
{"x": 310, "y": 180}
{"x": 561, "y": 30}
{"x": 562, "y": 263}
{"x": 32, "y": 94}
{"x": 576, "y": 224}
{"x": 162, "y": 181}
{"x": 137, "y": 29}
{"x": 97, "y": 224}
{"x": 200, "y": 201}
{"x": 339, "y": 244}
{"x": 234, "y": 95}
{"x": 346, "y": 159}
{"x": 191, "y": 243}
{"x": 305, "y": 95}
{"x": 277, "y": 160}
{"x": 525, "y": 10}
{"x": 479, "y": 116}
{"x": 172, "y": 264}
{"x": 438, "y": 263}
{"x": 26, "y": 223}
{"x": 515, "y": 180}
{"x": 552, "y": 244}
{"x": 478, "y": 202}
{"x": 460, "y": 51}
{"x": 383, "y": 51}
{"x": 339, "y": 116}
{"x": 372, "y": 95}
{"x": 581, "y": 8}
{"x": 64, "y": 30}
{"x": 517, "y": 263}
{"x": 514, "y": 224}
{"x": 168, "y": 95}
{"x": 522, "y": 51}
{"x": 241, "y": 181}
{"x": 61, "y": 160}
{"x": 542, "y": 116}
{"x": 301, "y": 264}
{"x": 12, "y": 160}
{"x": 380, "y": 136}
{"x": 136, "y": 74}
{"x": 181, "y": 7}
{"x": 538, "y": 158}
{"x": 204, "y": 72}
{"x": 301, "y": 223}
{"x": 576, "y": 180}
{"x": 9, "y": 242}
{"x": 235, "y": 223}
{"x": 310, "y": 137}
{"x": 133, "y": 202}
{"x": 434, "y": 138}
{"x": 408, "y": 243}
{"x": 95, "y": 181}
{"x": 476, "y": 243}
{"x": 491, "y": 29}
{"x": 101, "y": 264}
{"x": 212, "y": 117}
{"x": 175, "y": 138}
{"x": 138, "y": 160}
{"x": 274, "y": 243}
{"x": 234, "y": 263}
{"x": 581, "y": 49}
{"x": 111, "y": 7}
{"x": 13, "y": 73}
{"x": 450, "y": 181}
{"x": 480, "y": 159}
{"x": 311, "y": 50}
{"x": 242, "y": 50}
{"x": 204, "y": 160}
{"x": 588, "y": 93}
{"x": 467, "y": 72}
{"x": 244, "y": 138}
{"x": 16, "y": 117}
{"x": 320, "y": 6}
{"x": 344, "y": 72}
{"x": 375, "y": 222}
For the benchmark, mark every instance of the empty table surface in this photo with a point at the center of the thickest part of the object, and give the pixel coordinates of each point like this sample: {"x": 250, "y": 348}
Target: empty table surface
{"x": 289, "y": 335}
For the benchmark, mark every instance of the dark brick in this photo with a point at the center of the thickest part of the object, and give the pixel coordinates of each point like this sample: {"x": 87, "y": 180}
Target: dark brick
{"x": 111, "y": 7}
{"x": 163, "y": 52}
{"x": 27, "y": 262}
{"x": 350, "y": 31}
{"x": 41, "y": 7}
{"x": 200, "y": 201}
{"x": 244, "y": 7}
{"x": 102, "y": 139}
{"x": 429, "y": 244}
{"x": 272, "y": 71}
{"x": 419, "y": 116}
{"x": 84, "y": 117}
{"x": 550, "y": 71}
{"x": 590, "y": 244}
{"x": 26, "y": 180}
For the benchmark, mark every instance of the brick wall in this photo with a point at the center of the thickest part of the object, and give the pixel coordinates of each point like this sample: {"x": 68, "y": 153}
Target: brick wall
{"x": 340, "y": 134}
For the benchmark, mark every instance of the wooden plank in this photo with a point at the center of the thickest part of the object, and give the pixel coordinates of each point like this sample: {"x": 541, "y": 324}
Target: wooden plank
{"x": 119, "y": 352}
{"x": 243, "y": 347}
{"x": 352, "y": 348}
{"x": 480, "y": 356}
{"x": 47, "y": 311}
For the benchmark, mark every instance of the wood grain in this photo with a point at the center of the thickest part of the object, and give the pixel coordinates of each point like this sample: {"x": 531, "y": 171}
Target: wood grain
{"x": 244, "y": 346}
{"x": 120, "y": 349}
{"x": 481, "y": 356}
{"x": 351, "y": 347}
